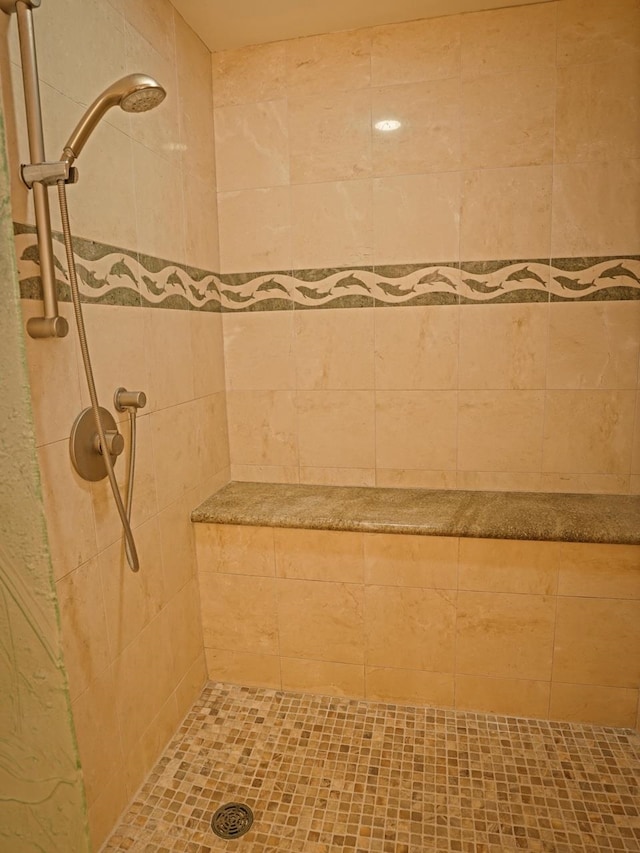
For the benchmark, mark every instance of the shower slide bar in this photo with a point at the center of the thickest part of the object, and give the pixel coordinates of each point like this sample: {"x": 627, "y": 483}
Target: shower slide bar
{"x": 51, "y": 325}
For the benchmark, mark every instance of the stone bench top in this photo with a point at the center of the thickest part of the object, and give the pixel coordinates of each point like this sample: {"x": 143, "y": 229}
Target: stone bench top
{"x": 611, "y": 519}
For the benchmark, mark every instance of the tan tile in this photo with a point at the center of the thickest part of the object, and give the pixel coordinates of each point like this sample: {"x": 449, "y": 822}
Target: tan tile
{"x": 249, "y": 74}
{"x": 338, "y": 476}
{"x": 264, "y": 473}
{"x": 428, "y": 139}
{"x": 635, "y": 450}
{"x": 503, "y": 40}
{"x": 175, "y": 461}
{"x": 412, "y": 626}
{"x": 185, "y": 622}
{"x": 607, "y": 484}
{"x": 211, "y": 436}
{"x": 407, "y": 686}
{"x": 427, "y": 562}
{"x": 503, "y": 346}
{"x": 243, "y": 668}
{"x": 323, "y": 555}
{"x": 190, "y": 687}
{"x": 593, "y": 345}
{"x": 154, "y": 21}
{"x": 498, "y": 481}
{"x": 262, "y": 428}
{"x": 499, "y": 565}
{"x": 143, "y": 676}
{"x": 588, "y": 432}
{"x": 259, "y": 351}
{"x": 330, "y": 136}
{"x": 263, "y": 213}
{"x": 193, "y": 61}
{"x": 177, "y": 546}
{"x": 415, "y": 51}
{"x": 406, "y": 478}
{"x": 321, "y": 621}
{"x": 208, "y": 352}
{"x": 158, "y": 182}
{"x": 507, "y": 120}
{"x": 52, "y": 363}
{"x": 334, "y": 348}
{"x": 324, "y": 677}
{"x": 202, "y": 246}
{"x": 141, "y": 758}
{"x": 587, "y": 97}
{"x": 336, "y": 429}
{"x": 235, "y": 549}
{"x": 251, "y": 144}
{"x": 132, "y": 599}
{"x": 98, "y": 732}
{"x": 69, "y": 514}
{"x": 84, "y": 627}
{"x": 106, "y": 810}
{"x": 416, "y": 217}
{"x": 596, "y": 209}
{"x": 589, "y": 31}
{"x": 416, "y": 429}
{"x": 124, "y": 363}
{"x": 239, "y": 613}
{"x": 604, "y": 706}
{"x": 520, "y": 223}
{"x": 503, "y": 696}
{"x": 504, "y": 635}
{"x": 500, "y": 430}
{"x": 171, "y": 367}
{"x": 417, "y": 348}
{"x": 608, "y": 653}
{"x": 331, "y": 62}
{"x": 332, "y": 224}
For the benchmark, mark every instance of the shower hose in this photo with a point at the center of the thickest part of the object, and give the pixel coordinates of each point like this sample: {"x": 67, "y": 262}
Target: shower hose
{"x": 125, "y": 515}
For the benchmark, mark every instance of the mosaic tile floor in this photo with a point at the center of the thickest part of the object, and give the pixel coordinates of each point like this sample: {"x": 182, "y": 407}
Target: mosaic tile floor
{"x": 325, "y": 775}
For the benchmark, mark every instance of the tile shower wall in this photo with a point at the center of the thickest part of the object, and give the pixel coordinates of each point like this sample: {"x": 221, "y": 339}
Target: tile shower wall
{"x": 476, "y": 624}
{"x": 133, "y": 642}
{"x": 503, "y": 216}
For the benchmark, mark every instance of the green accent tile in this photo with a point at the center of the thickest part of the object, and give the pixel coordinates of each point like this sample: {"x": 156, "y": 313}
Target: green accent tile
{"x": 321, "y": 273}
{"x": 116, "y": 296}
{"x": 488, "y": 267}
{"x": 436, "y": 298}
{"x": 402, "y": 270}
{"x": 260, "y": 305}
{"x": 509, "y": 297}
{"x": 213, "y": 306}
{"x": 172, "y": 300}
{"x": 349, "y": 300}
{"x": 237, "y": 279}
{"x": 579, "y": 264}
{"x": 603, "y": 294}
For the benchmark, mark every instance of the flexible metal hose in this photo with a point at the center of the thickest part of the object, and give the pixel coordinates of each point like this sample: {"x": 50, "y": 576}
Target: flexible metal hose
{"x": 130, "y": 545}
{"x": 132, "y": 461}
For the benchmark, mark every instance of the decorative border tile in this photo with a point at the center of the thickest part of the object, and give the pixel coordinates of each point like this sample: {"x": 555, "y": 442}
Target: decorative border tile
{"x": 111, "y": 275}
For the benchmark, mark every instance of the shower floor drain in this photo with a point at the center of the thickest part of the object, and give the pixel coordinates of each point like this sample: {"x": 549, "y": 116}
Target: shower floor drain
{"x": 232, "y": 820}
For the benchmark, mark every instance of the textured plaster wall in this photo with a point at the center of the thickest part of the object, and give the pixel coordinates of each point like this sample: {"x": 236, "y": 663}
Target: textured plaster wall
{"x": 42, "y": 805}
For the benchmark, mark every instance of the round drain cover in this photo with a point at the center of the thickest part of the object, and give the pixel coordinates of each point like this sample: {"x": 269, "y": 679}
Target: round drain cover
{"x": 232, "y": 820}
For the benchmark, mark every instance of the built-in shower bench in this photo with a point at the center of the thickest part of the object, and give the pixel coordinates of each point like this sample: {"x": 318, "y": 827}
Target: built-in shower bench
{"x": 522, "y": 604}
{"x": 611, "y": 519}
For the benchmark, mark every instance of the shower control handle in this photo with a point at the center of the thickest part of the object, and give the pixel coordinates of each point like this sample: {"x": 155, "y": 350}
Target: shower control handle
{"x": 124, "y": 400}
{"x": 115, "y": 442}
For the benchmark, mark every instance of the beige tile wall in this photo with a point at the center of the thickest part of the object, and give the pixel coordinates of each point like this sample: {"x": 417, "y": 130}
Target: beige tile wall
{"x": 507, "y": 150}
{"x": 133, "y": 642}
{"x": 533, "y": 397}
{"x": 538, "y": 629}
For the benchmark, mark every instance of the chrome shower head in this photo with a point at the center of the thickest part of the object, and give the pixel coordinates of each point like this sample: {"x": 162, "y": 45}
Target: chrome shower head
{"x": 135, "y": 93}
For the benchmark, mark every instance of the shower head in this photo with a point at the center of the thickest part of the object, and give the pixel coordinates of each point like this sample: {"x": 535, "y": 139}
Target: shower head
{"x": 135, "y": 93}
